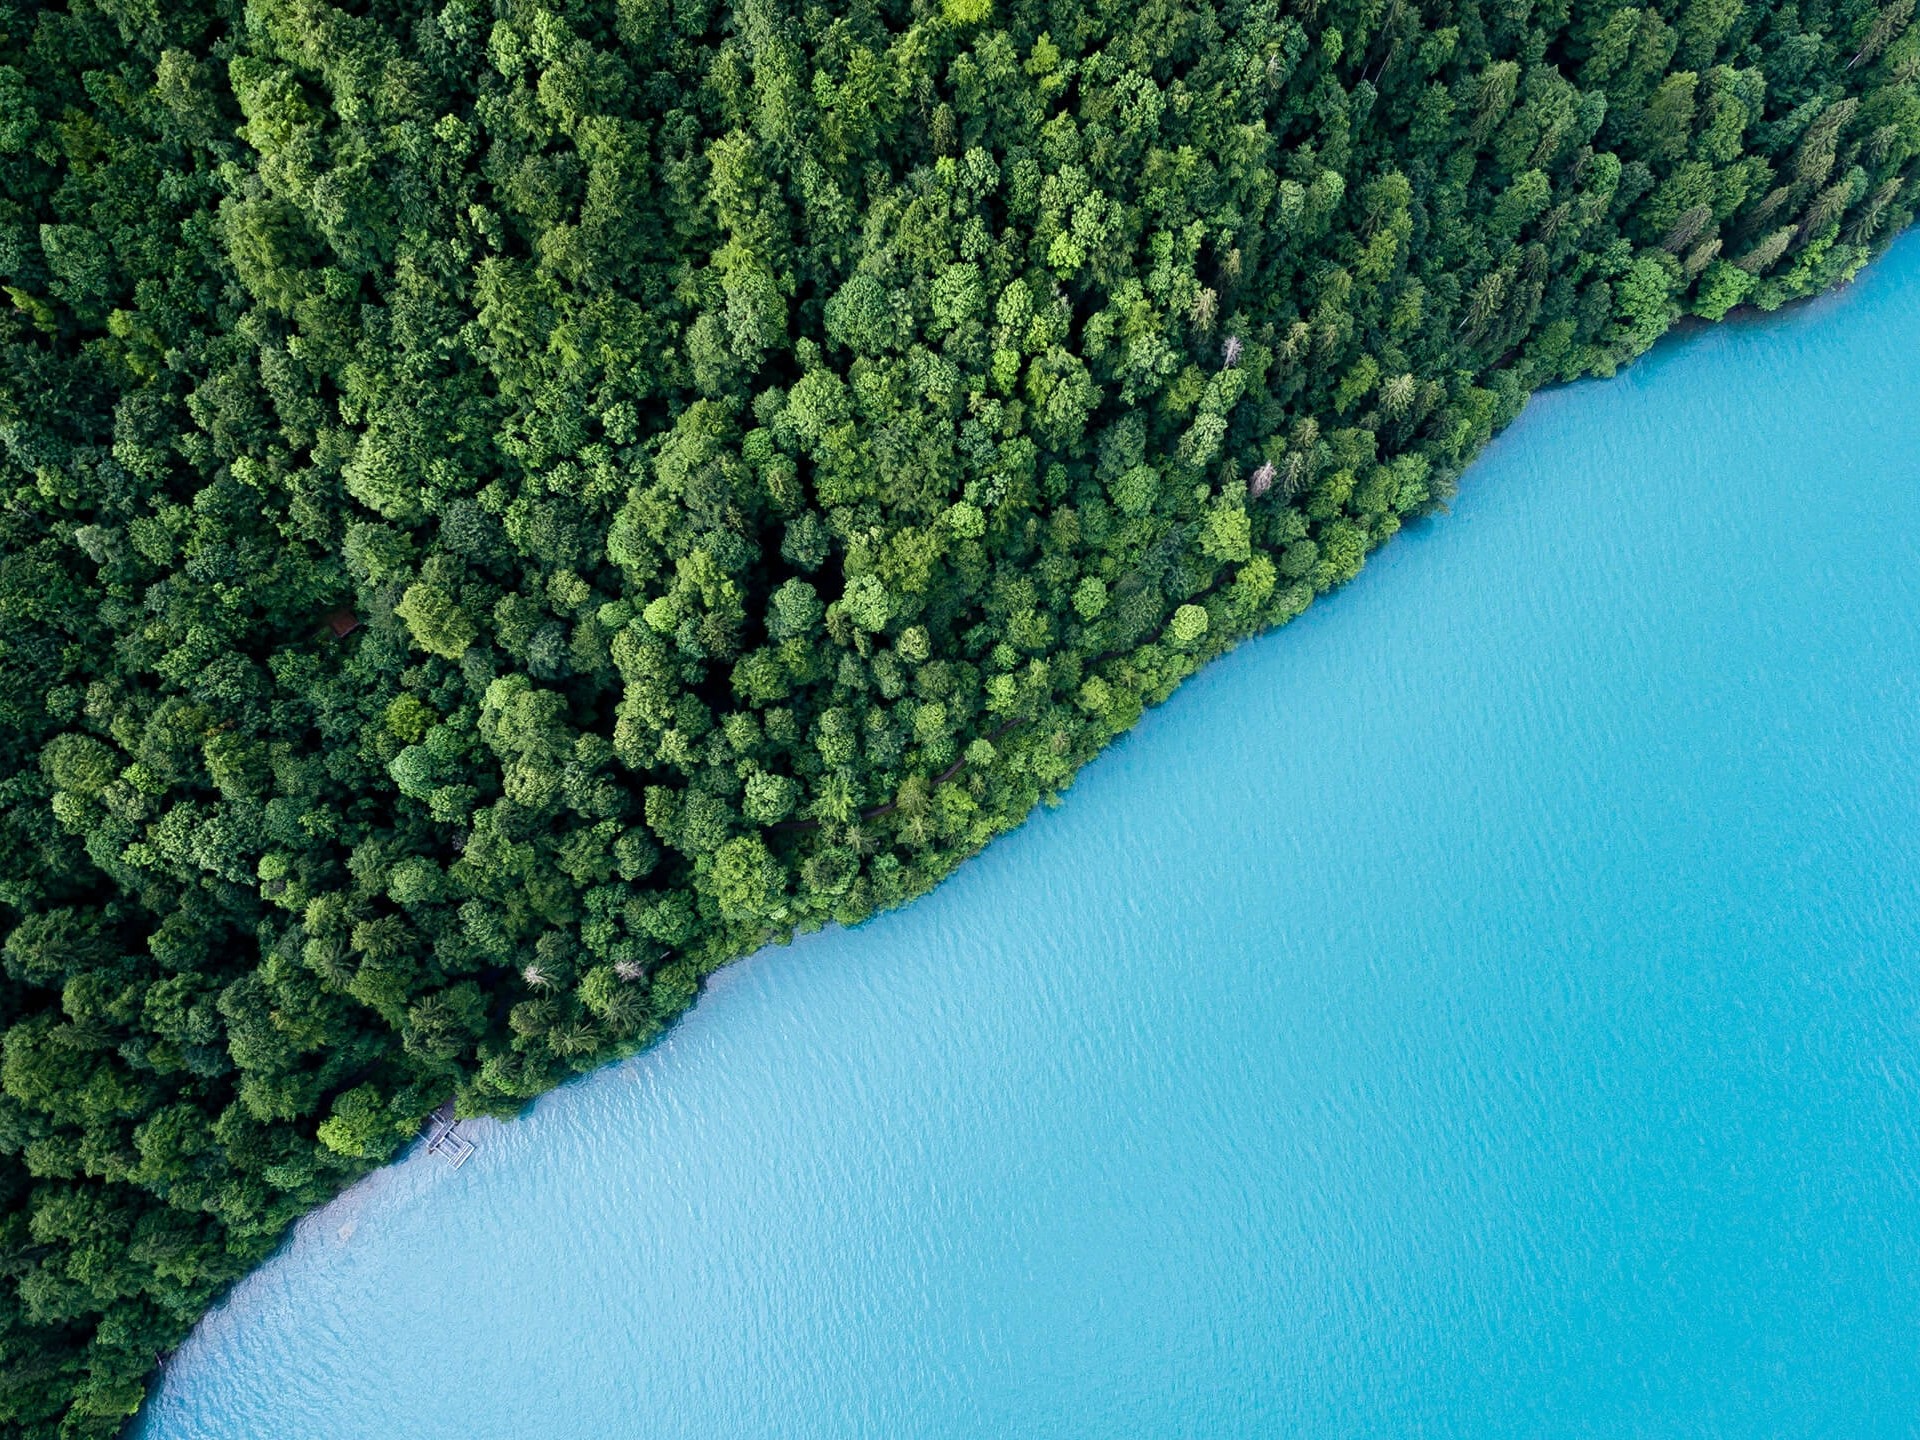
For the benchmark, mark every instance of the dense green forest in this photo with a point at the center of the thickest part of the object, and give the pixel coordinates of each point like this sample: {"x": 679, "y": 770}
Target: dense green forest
{"x": 510, "y": 504}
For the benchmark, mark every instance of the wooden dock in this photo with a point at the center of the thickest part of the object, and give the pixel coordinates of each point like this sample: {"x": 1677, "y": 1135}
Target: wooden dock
{"x": 445, "y": 1140}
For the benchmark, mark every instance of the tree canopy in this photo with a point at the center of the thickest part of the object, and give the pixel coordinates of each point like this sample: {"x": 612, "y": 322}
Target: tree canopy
{"x": 507, "y": 505}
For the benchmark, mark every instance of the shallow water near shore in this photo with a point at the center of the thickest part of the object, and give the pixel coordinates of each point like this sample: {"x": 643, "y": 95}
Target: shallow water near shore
{"x": 1488, "y": 1007}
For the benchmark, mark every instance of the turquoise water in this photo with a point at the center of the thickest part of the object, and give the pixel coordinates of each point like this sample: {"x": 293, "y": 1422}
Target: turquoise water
{"x": 1487, "y": 1008}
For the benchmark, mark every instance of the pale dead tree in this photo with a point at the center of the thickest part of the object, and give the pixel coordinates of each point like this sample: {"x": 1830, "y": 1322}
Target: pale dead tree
{"x": 1827, "y": 207}
{"x": 1868, "y": 220}
{"x": 1298, "y": 473}
{"x": 1767, "y": 251}
{"x": 1262, "y": 480}
{"x": 1431, "y": 394}
{"x": 629, "y": 970}
{"x": 1397, "y": 395}
{"x": 1701, "y": 256}
{"x": 1886, "y": 28}
{"x": 1230, "y": 352}
{"x": 1687, "y": 228}
{"x": 1487, "y": 294}
{"x": 1551, "y": 140}
{"x": 331, "y": 960}
{"x": 1813, "y": 158}
{"x": 536, "y": 978}
{"x": 1498, "y": 85}
{"x": 574, "y": 1039}
{"x": 1768, "y": 207}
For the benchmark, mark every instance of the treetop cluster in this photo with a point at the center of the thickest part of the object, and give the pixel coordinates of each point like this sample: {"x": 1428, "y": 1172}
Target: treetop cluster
{"x": 508, "y": 505}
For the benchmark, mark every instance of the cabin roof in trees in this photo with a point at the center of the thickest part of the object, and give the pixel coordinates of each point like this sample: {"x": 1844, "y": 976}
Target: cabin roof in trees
{"x": 343, "y": 623}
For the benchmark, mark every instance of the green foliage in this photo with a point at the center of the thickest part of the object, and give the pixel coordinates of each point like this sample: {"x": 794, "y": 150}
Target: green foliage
{"x": 1189, "y": 624}
{"x": 511, "y": 506}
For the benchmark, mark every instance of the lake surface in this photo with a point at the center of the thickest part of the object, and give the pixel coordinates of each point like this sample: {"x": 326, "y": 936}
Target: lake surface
{"x": 1488, "y": 1007}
